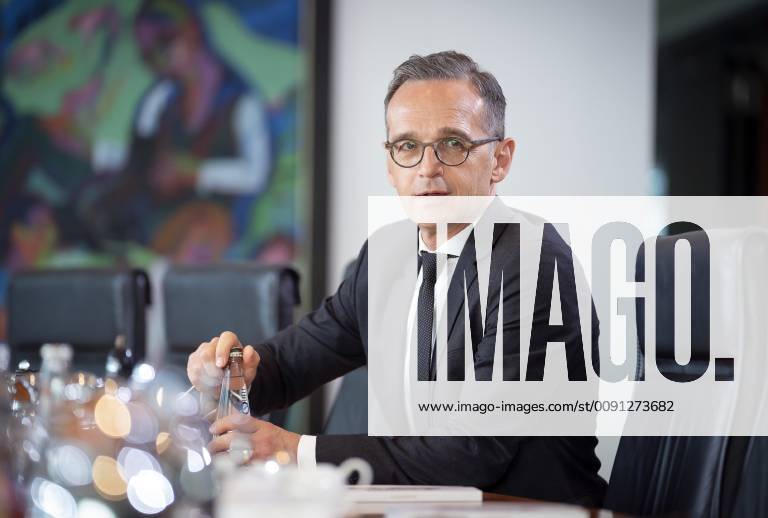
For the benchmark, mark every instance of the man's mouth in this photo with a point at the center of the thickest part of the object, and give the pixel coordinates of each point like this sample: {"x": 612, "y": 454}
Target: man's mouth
{"x": 433, "y": 193}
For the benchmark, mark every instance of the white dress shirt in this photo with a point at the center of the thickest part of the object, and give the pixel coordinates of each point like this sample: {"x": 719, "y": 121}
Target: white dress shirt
{"x": 305, "y": 455}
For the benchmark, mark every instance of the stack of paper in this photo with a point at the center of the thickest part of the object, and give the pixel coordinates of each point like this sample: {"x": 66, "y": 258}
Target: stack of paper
{"x": 391, "y": 494}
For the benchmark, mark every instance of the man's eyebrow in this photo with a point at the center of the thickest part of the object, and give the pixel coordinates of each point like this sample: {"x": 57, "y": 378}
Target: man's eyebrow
{"x": 408, "y": 135}
{"x": 442, "y": 132}
{"x": 446, "y": 131}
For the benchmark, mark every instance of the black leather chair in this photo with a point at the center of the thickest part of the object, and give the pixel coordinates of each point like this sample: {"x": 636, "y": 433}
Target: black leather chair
{"x": 690, "y": 476}
{"x": 254, "y": 301}
{"x": 349, "y": 412}
{"x": 747, "y": 492}
{"x": 87, "y": 308}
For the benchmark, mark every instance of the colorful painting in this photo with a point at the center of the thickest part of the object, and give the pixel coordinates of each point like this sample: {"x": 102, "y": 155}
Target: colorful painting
{"x": 135, "y": 130}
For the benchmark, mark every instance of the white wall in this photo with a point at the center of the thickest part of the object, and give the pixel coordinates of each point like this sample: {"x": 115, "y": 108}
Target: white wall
{"x": 578, "y": 77}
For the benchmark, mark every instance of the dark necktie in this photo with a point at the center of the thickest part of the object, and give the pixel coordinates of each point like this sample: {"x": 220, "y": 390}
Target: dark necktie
{"x": 426, "y": 313}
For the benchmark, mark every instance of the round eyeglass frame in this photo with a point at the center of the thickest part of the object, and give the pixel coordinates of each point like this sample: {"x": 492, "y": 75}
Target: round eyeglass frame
{"x": 424, "y": 145}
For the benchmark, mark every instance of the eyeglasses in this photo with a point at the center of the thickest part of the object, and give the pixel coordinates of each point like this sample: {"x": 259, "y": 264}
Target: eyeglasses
{"x": 451, "y": 151}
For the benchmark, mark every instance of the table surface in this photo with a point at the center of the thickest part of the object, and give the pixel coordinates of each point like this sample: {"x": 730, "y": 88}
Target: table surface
{"x": 493, "y": 505}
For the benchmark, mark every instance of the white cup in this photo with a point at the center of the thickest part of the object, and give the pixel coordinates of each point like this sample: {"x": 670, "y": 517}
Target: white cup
{"x": 280, "y": 491}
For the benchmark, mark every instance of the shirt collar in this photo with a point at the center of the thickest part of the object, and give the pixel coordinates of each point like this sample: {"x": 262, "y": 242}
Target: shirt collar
{"x": 453, "y": 246}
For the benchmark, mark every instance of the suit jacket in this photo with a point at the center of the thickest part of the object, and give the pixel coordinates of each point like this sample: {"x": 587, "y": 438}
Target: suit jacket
{"x": 333, "y": 340}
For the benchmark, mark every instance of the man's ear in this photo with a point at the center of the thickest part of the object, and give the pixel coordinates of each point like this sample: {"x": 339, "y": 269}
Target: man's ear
{"x": 502, "y": 160}
{"x": 391, "y": 178}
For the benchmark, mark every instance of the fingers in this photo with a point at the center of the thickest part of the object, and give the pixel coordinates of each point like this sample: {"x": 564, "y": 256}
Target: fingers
{"x": 258, "y": 439}
{"x": 225, "y": 342}
{"x": 251, "y": 361}
{"x": 234, "y": 428}
{"x": 224, "y": 442}
{"x": 206, "y": 356}
{"x": 257, "y": 445}
{"x": 236, "y": 422}
{"x": 202, "y": 372}
{"x": 200, "y": 369}
{"x": 219, "y": 444}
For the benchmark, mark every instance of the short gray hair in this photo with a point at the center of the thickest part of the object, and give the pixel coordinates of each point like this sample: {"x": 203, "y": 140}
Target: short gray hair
{"x": 454, "y": 65}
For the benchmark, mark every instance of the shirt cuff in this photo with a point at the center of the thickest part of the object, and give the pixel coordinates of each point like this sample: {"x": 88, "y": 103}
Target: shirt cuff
{"x": 305, "y": 453}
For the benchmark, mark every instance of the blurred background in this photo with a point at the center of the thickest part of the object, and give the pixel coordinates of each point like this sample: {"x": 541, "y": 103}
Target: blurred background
{"x": 156, "y": 133}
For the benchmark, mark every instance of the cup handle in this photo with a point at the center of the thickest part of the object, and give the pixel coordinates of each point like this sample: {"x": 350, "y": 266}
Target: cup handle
{"x": 359, "y": 466}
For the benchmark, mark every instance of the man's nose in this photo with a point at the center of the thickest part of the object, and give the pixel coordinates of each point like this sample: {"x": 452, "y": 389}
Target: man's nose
{"x": 430, "y": 165}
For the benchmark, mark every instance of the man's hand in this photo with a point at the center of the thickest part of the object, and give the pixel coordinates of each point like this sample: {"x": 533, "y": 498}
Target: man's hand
{"x": 205, "y": 366}
{"x": 264, "y": 439}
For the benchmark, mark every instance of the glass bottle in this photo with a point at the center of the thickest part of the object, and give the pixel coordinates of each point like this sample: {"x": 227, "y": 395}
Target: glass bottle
{"x": 5, "y": 357}
{"x": 42, "y": 413}
{"x": 234, "y": 391}
{"x": 54, "y": 370}
{"x": 119, "y": 360}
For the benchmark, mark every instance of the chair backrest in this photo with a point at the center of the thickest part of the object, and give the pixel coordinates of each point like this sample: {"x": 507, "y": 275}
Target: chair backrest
{"x": 254, "y": 301}
{"x": 349, "y": 412}
{"x": 681, "y": 475}
{"x": 748, "y": 494}
{"x": 87, "y": 308}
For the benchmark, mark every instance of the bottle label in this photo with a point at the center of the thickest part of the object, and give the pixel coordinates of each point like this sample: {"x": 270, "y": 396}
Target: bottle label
{"x": 240, "y": 400}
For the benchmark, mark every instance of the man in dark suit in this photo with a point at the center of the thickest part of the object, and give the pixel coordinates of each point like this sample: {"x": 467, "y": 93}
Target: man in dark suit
{"x": 445, "y": 128}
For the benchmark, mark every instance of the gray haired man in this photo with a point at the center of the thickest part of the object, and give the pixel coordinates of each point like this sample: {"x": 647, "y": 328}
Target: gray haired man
{"x": 445, "y": 137}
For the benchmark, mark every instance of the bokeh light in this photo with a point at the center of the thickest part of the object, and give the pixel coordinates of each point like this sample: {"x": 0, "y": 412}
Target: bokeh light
{"x": 124, "y": 394}
{"x": 195, "y": 461}
{"x": 132, "y": 461}
{"x": 206, "y": 456}
{"x": 271, "y": 467}
{"x": 149, "y": 492}
{"x": 167, "y": 385}
{"x": 112, "y": 416}
{"x": 110, "y": 386}
{"x": 162, "y": 442}
{"x": 190, "y": 432}
{"x": 144, "y": 424}
{"x": 186, "y": 404}
{"x": 31, "y": 450}
{"x": 108, "y": 478}
{"x": 69, "y": 465}
{"x": 187, "y": 433}
{"x": 52, "y": 499}
{"x": 74, "y": 392}
{"x": 90, "y": 508}
{"x": 283, "y": 457}
{"x": 143, "y": 373}
{"x": 159, "y": 396}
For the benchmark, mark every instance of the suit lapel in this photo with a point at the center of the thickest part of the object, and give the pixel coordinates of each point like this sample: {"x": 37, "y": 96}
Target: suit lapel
{"x": 468, "y": 263}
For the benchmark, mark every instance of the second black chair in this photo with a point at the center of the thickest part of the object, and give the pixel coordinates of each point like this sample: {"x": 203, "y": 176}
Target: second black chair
{"x": 200, "y": 302}
{"x": 705, "y": 475}
{"x": 254, "y": 301}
